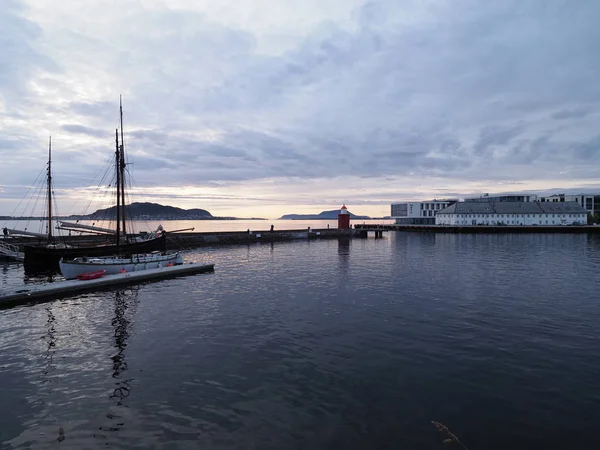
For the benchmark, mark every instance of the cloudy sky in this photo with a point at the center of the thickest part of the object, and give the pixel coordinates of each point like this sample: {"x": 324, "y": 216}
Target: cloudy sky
{"x": 267, "y": 107}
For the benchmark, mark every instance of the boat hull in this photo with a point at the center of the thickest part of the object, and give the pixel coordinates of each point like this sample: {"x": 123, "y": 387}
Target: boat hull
{"x": 74, "y": 268}
{"x": 41, "y": 257}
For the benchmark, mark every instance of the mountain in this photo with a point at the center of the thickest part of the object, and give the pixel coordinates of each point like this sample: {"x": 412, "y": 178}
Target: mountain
{"x": 324, "y": 215}
{"x": 144, "y": 211}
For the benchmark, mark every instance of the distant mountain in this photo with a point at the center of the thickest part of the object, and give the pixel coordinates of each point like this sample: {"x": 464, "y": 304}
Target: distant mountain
{"x": 144, "y": 211}
{"x": 325, "y": 215}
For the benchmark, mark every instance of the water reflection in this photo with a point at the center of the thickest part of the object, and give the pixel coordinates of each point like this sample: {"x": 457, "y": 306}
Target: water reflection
{"x": 344, "y": 253}
{"x": 48, "y": 355}
{"x": 125, "y": 303}
{"x": 8, "y": 268}
{"x": 40, "y": 276}
{"x": 120, "y": 322}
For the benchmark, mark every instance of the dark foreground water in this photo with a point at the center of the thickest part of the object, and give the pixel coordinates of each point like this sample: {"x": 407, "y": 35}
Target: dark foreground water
{"x": 320, "y": 345}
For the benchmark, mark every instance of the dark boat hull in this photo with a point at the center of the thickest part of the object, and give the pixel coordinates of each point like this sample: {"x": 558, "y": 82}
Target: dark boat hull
{"x": 41, "y": 257}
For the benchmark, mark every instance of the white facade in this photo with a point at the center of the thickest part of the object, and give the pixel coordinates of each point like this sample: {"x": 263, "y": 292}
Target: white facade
{"x": 589, "y": 202}
{"x": 503, "y": 198}
{"x": 512, "y": 214}
{"x": 418, "y": 212}
{"x": 512, "y": 219}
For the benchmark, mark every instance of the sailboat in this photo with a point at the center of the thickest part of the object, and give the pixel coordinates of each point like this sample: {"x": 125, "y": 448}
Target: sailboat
{"x": 124, "y": 245}
{"x": 12, "y": 251}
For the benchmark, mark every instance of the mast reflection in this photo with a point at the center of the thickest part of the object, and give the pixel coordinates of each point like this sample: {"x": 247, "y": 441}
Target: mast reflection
{"x": 121, "y": 323}
{"x": 125, "y": 302}
{"x": 48, "y": 355}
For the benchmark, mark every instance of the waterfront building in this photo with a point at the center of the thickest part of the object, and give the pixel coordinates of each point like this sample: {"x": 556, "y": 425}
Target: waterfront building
{"x": 590, "y": 202}
{"x": 512, "y": 213}
{"x": 503, "y": 198}
{"x": 419, "y": 213}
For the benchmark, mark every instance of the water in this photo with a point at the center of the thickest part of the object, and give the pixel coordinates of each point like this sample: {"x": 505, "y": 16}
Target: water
{"x": 320, "y": 345}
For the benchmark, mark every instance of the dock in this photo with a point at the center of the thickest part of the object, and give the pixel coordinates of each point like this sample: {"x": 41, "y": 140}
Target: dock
{"x": 51, "y": 291}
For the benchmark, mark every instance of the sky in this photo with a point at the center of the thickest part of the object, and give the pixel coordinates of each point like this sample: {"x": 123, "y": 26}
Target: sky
{"x": 259, "y": 108}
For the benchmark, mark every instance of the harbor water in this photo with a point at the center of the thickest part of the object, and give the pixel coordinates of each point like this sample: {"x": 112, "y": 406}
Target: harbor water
{"x": 324, "y": 344}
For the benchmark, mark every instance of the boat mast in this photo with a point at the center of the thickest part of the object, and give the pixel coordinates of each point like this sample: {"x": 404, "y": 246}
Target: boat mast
{"x": 122, "y": 168}
{"x": 50, "y": 190}
{"x": 117, "y": 157}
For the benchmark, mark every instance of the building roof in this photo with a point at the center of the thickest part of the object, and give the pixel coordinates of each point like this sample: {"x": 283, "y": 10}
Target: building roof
{"x": 514, "y": 208}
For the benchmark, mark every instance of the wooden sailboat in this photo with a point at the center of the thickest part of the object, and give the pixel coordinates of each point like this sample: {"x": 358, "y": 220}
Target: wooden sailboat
{"x": 13, "y": 251}
{"x": 48, "y": 255}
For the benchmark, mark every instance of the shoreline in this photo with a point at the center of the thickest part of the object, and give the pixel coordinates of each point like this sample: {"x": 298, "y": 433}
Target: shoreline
{"x": 188, "y": 240}
{"x": 482, "y": 229}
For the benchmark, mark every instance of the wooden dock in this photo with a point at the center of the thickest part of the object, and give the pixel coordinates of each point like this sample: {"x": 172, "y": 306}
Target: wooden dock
{"x": 51, "y": 291}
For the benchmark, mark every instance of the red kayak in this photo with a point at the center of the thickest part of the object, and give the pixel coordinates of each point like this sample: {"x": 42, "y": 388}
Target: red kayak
{"x": 91, "y": 275}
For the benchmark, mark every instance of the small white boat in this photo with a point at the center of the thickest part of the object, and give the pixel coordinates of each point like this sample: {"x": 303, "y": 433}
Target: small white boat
{"x": 73, "y": 268}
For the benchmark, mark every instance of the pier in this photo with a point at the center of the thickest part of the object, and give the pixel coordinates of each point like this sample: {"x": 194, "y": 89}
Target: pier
{"x": 184, "y": 240}
{"x": 51, "y": 291}
{"x": 364, "y": 230}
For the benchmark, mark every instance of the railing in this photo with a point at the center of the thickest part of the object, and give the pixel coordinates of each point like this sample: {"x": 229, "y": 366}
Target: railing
{"x": 11, "y": 251}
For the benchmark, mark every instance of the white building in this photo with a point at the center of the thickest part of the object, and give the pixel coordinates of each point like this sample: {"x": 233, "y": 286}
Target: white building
{"x": 503, "y": 198}
{"x": 512, "y": 213}
{"x": 591, "y": 203}
{"x": 418, "y": 213}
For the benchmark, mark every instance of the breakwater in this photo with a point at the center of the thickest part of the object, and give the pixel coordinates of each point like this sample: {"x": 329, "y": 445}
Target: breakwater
{"x": 194, "y": 240}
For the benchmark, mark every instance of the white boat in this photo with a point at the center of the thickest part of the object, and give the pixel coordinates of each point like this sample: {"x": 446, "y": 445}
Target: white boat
{"x": 72, "y": 268}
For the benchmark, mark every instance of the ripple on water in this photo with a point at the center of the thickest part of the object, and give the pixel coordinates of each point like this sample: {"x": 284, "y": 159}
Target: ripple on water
{"x": 322, "y": 344}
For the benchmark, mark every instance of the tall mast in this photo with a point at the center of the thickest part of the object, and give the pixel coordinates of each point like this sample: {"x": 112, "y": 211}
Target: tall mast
{"x": 117, "y": 158}
{"x": 50, "y": 190}
{"x": 122, "y": 168}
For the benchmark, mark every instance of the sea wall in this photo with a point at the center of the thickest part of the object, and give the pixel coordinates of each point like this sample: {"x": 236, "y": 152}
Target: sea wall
{"x": 193, "y": 240}
{"x": 590, "y": 229}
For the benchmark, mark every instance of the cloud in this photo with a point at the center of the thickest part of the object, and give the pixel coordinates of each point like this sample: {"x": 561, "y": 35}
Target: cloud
{"x": 81, "y": 129}
{"x": 19, "y": 59}
{"x": 576, "y": 113}
{"x": 249, "y": 93}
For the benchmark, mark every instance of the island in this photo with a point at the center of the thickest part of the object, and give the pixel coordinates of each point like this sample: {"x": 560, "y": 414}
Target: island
{"x": 153, "y": 211}
{"x": 323, "y": 215}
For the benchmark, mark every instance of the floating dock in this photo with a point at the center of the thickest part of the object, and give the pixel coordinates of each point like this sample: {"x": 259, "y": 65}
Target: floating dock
{"x": 29, "y": 293}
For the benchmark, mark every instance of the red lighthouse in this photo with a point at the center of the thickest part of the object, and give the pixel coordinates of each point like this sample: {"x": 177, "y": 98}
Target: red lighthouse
{"x": 344, "y": 218}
